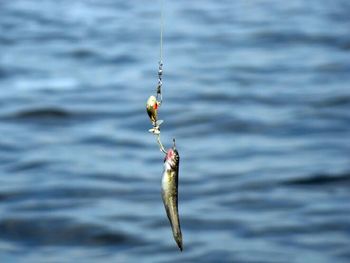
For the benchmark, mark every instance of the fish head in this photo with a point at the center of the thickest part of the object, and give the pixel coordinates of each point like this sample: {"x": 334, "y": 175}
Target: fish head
{"x": 172, "y": 158}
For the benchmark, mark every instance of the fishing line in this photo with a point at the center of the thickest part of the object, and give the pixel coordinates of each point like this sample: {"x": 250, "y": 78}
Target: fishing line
{"x": 160, "y": 68}
{"x": 154, "y": 102}
{"x": 161, "y": 33}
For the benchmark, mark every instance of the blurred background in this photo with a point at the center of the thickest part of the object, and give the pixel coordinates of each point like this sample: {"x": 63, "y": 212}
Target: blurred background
{"x": 256, "y": 93}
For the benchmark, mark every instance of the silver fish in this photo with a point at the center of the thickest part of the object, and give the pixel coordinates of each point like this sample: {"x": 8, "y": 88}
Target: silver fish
{"x": 170, "y": 192}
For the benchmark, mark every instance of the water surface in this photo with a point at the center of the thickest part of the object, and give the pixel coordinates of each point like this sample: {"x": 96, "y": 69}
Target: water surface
{"x": 255, "y": 92}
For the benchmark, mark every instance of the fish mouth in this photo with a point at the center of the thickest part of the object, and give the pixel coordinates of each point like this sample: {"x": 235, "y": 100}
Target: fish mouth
{"x": 170, "y": 155}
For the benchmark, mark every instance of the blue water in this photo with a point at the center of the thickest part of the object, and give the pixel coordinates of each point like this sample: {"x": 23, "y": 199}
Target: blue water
{"x": 256, "y": 93}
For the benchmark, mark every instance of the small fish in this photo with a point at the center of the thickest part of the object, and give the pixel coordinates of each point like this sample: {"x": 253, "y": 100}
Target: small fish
{"x": 170, "y": 192}
{"x": 152, "y": 109}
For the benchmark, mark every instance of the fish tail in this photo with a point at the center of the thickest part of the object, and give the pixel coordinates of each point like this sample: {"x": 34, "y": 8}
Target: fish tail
{"x": 178, "y": 240}
{"x": 174, "y": 220}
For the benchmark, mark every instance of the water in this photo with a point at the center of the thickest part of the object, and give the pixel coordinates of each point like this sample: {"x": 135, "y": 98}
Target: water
{"x": 255, "y": 92}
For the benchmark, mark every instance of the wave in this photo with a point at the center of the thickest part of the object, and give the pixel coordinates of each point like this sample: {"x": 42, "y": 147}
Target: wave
{"x": 320, "y": 180}
{"x": 41, "y": 231}
{"x": 42, "y": 113}
{"x": 338, "y": 101}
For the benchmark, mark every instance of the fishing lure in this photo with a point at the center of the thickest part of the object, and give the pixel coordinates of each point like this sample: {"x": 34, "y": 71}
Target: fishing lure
{"x": 152, "y": 109}
{"x": 152, "y": 106}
